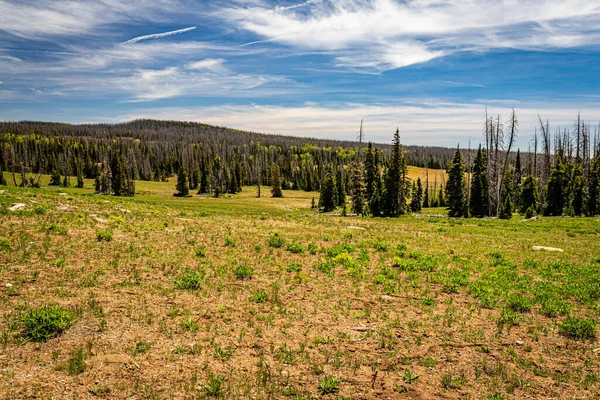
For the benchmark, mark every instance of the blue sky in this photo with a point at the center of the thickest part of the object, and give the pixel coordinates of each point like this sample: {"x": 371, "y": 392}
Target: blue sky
{"x": 312, "y": 68}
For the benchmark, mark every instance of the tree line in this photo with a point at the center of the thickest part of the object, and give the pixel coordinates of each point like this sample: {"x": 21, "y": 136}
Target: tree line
{"x": 558, "y": 175}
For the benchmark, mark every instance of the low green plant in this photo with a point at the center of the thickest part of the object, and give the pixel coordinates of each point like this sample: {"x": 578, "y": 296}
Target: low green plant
{"x": 44, "y": 323}
{"x": 189, "y": 280}
{"x": 214, "y": 386}
{"x": 260, "y": 296}
{"x": 329, "y": 385}
{"x": 104, "y": 236}
{"x": 293, "y": 267}
{"x": 141, "y": 347}
{"x": 312, "y": 248}
{"x": 76, "y": 364}
{"x": 200, "y": 251}
{"x": 243, "y": 272}
{"x": 295, "y": 248}
{"x": 276, "y": 241}
{"x": 578, "y": 328}
{"x": 229, "y": 242}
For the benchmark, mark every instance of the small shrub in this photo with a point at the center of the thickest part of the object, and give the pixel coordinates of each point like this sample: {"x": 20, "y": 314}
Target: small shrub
{"x": 104, "y": 236}
{"x": 578, "y": 328}
{"x": 229, "y": 242}
{"x": 382, "y": 246}
{"x": 214, "y": 386}
{"x": 295, "y": 248}
{"x": 294, "y": 267}
{"x": 312, "y": 248}
{"x": 76, "y": 364}
{"x": 451, "y": 382}
{"x": 44, "y": 323}
{"x": 328, "y": 385}
{"x": 189, "y": 280}
{"x": 276, "y": 241}
{"x": 257, "y": 246}
{"x": 519, "y": 302}
{"x": 140, "y": 348}
{"x": 200, "y": 251}
{"x": 260, "y": 296}
{"x": 243, "y": 272}
{"x": 190, "y": 325}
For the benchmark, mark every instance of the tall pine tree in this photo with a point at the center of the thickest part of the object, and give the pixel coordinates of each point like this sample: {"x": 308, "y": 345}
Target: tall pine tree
{"x": 506, "y": 195}
{"x": 327, "y": 198}
{"x": 478, "y": 204}
{"x": 396, "y": 184}
{"x": 182, "y": 186}
{"x": 455, "y": 187}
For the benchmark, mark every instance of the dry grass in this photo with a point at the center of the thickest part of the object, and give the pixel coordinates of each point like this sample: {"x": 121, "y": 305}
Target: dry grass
{"x": 369, "y": 306}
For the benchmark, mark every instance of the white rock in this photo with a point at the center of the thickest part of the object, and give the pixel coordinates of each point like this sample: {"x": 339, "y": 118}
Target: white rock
{"x": 63, "y": 194}
{"x": 17, "y": 206}
{"x": 9, "y": 285}
{"x": 544, "y": 248}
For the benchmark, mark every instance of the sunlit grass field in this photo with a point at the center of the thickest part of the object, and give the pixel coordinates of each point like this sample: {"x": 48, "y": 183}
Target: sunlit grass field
{"x": 244, "y": 297}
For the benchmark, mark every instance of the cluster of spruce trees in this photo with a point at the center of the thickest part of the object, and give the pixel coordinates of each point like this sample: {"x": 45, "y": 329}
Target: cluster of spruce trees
{"x": 564, "y": 179}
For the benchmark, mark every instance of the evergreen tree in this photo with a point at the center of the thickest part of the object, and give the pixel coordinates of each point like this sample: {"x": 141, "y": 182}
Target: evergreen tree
{"x": 182, "y": 183}
{"x": 340, "y": 187}
{"x": 378, "y": 197}
{"x": 396, "y": 184}
{"x": 2, "y": 178}
{"x": 506, "y": 195}
{"x": 417, "y": 196}
{"x": 217, "y": 176}
{"x": 194, "y": 179}
{"x": 426, "y": 196}
{"x": 593, "y": 199}
{"x": 66, "y": 180}
{"x": 55, "y": 178}
{"x": 275, "y": 181}
{"x": 556, "y": 189}
{"x": 529, "y": 197}
{"x": 478, "y": 204}
{"x": 455, "y": 187}
{"x": 313, "y": 205}
{"x": 327, "y": 200}
{"x": 441, "y": 199}
{"x": 577, "y": 190}
{"x": 119, "y": 180}
{"x": 357, "y": 190}
{"x": 79, "y": 176}
{"x": 371, "y": 169}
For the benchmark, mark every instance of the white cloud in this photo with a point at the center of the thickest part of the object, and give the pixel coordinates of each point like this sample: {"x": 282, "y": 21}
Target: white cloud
{"x": 160, "y": 35}
{"x": 210, "y": 64}
{"x": 421, "y": 123}
{"x": 387, "y": 34}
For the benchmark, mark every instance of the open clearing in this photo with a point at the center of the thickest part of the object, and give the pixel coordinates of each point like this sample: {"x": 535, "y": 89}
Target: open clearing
{"x": 241, "y": 297}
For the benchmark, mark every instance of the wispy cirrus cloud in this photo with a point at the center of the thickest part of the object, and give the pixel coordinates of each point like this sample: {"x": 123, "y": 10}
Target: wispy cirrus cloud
{"x": 160, "y": 35}
{"x": 387, "y": 34}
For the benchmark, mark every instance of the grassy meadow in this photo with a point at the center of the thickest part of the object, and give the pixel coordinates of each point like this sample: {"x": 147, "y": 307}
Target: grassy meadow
{"x": 158, "y": 297}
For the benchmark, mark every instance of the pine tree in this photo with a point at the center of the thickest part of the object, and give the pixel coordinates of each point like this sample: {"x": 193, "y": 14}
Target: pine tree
{"x": 396, "y": 184}
{"x": 119, "y": 180}
{"x": 417, "y": 196}
{"x": 455, "y": 187}
{"x": 577, "y": 189}
{"x": 79, "y": 176}
{"x": 478, "y": 204}
{"x": 529, "y": 202}
{"x": 313, "y": 205}
{"x": 55, "y": 178}
{"x": 556, "y": 189}
{"x": 371, "y": 169}
{"x": 340, "y": 187}
{"x": 593, "y": 199}
{"x": 275, "y": 181}
{"x": 357, "y": 190}
{"x": 506, "y": 195}
{"x": 327, "y": 201}
{"x": 194, "y": 179}
{"x": 217, "y": 176}
{"x": 182, "y": 183}
{"x": 441, "y": 198}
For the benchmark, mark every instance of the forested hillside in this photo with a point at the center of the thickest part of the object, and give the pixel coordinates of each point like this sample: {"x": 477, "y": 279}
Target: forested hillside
{"x": 212, "y": 156}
